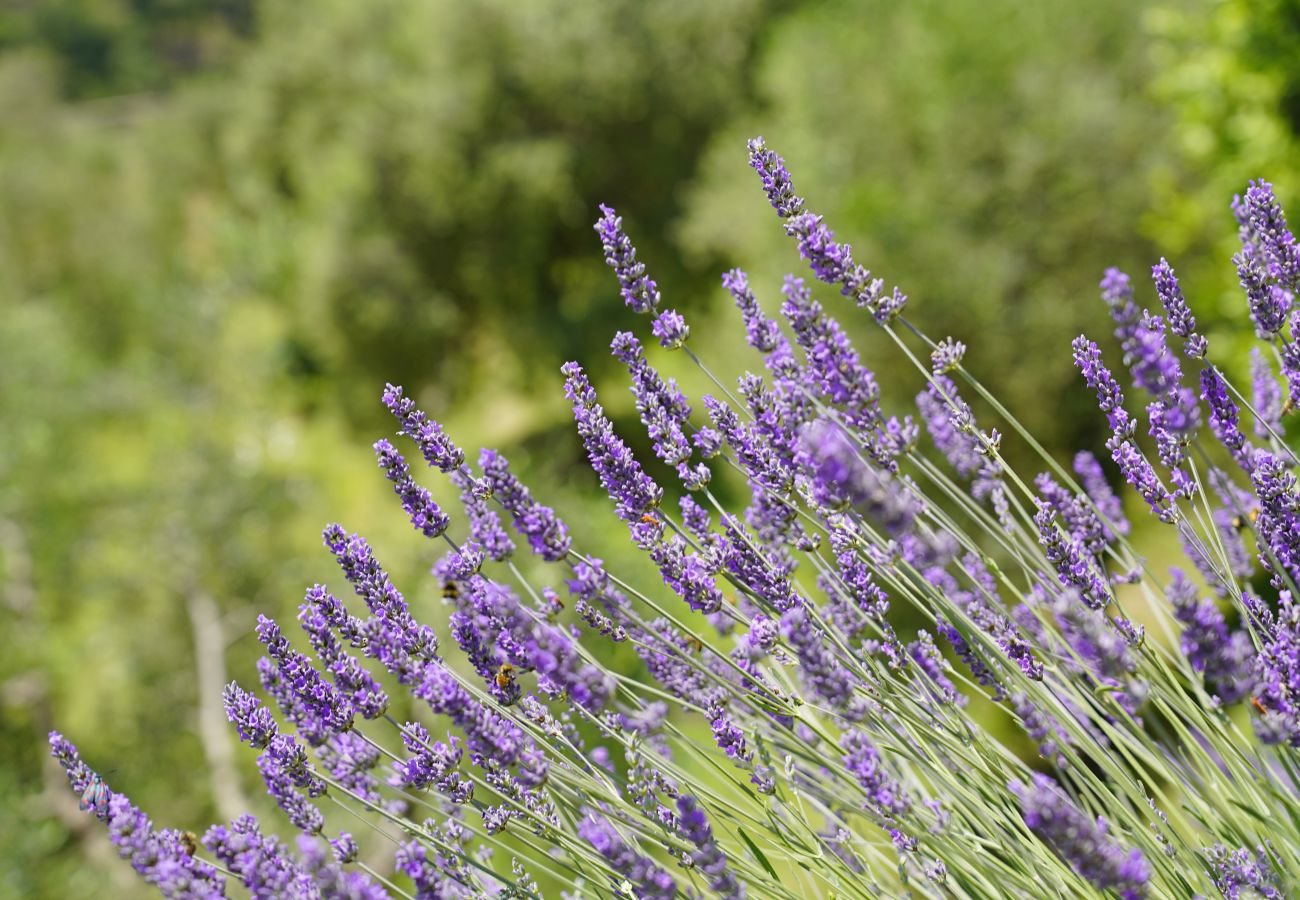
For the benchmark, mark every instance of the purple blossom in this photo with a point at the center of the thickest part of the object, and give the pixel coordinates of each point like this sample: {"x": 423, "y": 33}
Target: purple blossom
{"x": 251, "y": 719}
{"x": 1099, "y": 491}
{"x": 1223, "y": 417}
{"x": 950, "y": 431}
{"x": 1269, "y": 303}
{"x": 763, "y": 334}
{"x": 1278, "y": 524}
{"x": 1117, "y": 294}
{"x": 820, "y": 669}
{"x": 433, "y": 764}
{"x": 327, "y": 709}
{"x": 437, "y": 448}
{"x": 639, "y": 291}
{"x": 1267, "y": 237}
{"x": 671, "y": 329}
{"x": 485, "y": 526}
{"x": 1277, "y": 670}
{"x": 776, "y": 179}
{"x": 545, "y": 532}
{"x": 930, "y": 661}
{"x": 663, "y": 410}
{"x": 1181, "y": 320}
{"x": 351, "y": 677}
{"x": 262, "y": 863}
{"x": 634, "y": 493}
{"x": 1240, "y": 873}
{"x": 425, "y": 515}
{"x": 884, "y": 794}
{"x": 1224, "y": 658}
{"x": 647, "y": 879}
{"x": 291, "y": 782}
{"x": 946, "y": 356}
{"x": 1109, "y": 396}
{"x": 1084, "y": 844}
{"x": 160, "y": 857}
{"x": 707, "y": 856}
{"x": 1074, "y": 566}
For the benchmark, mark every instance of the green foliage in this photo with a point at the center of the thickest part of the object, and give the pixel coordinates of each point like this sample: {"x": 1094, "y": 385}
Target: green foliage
{"x": 991, "y": 159}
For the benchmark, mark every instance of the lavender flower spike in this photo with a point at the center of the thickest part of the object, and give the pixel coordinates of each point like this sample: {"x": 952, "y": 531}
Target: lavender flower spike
{"x": 1081, "y": 842}
{"x": 1181, "y": 321}
{"x": 438, "y": 449}
{"x": 776, "y": 179}
{"x": 425, "y": 515}
{"x": 639, "y": 291}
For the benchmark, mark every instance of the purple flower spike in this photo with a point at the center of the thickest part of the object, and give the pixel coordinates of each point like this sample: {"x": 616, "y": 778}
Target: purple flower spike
{"x": 862, "y": 759}
{"x": 1225, "y": 659}
{"x": 425, "y": 515}
{"x": 1266, "y": 395}
{"x": 1268, "y": 302}
{"x": 290, "y": 781}
{"x": 763, "y": 333}
{"x": 251, "y": 719}
{"x": 1181, "y": 320}
{"x": 545, "y": 533}
{"x": 1081, "y": 842}
{"x": 634, "y": 493}
{"x": 1268, "y": 238}
{"x": 159, "y": 857}
{"x": 1087, "y": 358}
{"x": 437, "y": 448}
{"x": 776, "y": 179}
{"x": 1223, "y": 417}
{"x": 670, "y": 328}
{"x": 1240, "y": 874}
{"x": 647, "y": 879}
{"x": 639, "y": 291}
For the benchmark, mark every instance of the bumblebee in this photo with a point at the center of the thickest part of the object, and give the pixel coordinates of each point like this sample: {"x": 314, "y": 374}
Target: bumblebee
{"x": 1239, "y": 522}
{"x": 449, "y": 590}
{"x": 505, "y": 676}
{"x": 694, "y": 644}
{"x": 189, "y": 843}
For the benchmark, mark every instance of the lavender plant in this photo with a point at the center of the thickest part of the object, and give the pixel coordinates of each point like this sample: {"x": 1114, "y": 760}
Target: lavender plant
{"x": 790, "y": 737}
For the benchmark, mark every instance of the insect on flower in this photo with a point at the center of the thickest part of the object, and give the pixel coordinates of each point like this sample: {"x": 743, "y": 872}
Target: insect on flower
{"x": 1259, "y": 707}
{"x": 505, "y": 676}
{"x": 694, "y": 643}
{"x": 1239, "y": 522}
{"x": 449, "y": 590}
{"x": 189, "y": 842}
{"x": 95, "y": 797}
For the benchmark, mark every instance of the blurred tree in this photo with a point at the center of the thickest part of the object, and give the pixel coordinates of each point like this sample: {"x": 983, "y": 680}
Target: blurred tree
{"x": 1230, "y": 75}
{"x": 992, "y": 159}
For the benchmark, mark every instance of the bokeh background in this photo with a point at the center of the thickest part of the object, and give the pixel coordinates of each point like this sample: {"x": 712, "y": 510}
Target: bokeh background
{"x": 225, "y": 224}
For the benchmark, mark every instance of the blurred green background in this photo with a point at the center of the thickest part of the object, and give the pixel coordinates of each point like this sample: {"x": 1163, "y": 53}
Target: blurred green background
{"x": 225, "y": 224}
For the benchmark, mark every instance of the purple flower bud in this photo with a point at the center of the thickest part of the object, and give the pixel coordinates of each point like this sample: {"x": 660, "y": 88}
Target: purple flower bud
{"x": 251, "y": 719}
{"x": 647, "y": 879}
{"x": 425, "y": 515}
{"x": 437, "y": 448}
{"x": 639, "y": 291}
{"x": 1181, "y": 320}
{"x": 884, "y": 794}
{"x": 670, "y": 328}
{"x": 776, "y": 179}
{"x": 763, "y": 333}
